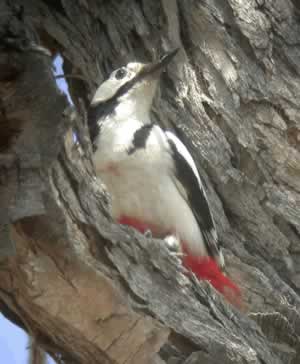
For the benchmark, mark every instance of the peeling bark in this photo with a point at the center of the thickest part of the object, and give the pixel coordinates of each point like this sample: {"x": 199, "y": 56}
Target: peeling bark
{"x": 90, "y": 291}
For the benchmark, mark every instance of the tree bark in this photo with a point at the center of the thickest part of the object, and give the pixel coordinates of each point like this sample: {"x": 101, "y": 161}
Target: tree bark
{"x": 37, "y": 355}
{"x": 90, "y": 291}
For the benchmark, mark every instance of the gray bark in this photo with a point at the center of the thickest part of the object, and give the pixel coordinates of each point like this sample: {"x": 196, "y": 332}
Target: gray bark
{"x": 90, "y": 291}
{"x": 37, "y": 355}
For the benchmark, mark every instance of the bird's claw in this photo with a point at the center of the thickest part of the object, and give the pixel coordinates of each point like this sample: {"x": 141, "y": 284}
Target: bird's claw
{"x": 148, "y": 234}
{"x": 173, "y": 244}
{"x": 177, "y": 254}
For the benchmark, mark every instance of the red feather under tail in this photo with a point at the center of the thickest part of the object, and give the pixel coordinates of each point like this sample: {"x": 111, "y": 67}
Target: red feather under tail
{"x": 205, "y": 268}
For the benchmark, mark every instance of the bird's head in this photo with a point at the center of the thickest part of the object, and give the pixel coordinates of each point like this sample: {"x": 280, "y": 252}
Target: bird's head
{"x": 130, "y": 89}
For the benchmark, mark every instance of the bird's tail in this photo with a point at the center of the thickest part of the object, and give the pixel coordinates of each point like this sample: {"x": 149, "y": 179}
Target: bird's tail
{"x": 206, "y": 268}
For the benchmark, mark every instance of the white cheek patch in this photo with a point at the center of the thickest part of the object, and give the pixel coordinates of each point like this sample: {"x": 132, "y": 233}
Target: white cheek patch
{"x": 105, "y": 92}
{"x": 110, "y": 87}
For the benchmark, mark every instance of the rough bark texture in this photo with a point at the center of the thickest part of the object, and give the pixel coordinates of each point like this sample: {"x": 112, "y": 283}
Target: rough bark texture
{"x": 90, "y": 291}
{"x": 37, "y": 355}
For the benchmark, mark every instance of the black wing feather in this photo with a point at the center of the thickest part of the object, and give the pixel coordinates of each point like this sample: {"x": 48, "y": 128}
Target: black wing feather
{"x": 196, "y": 197}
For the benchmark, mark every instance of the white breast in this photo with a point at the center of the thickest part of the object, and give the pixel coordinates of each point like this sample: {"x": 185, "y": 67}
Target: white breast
{"x": 142, "y": 184}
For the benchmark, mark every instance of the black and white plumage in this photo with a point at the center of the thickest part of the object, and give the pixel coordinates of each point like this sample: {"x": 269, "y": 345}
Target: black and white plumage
{"x": 149, "y": 173}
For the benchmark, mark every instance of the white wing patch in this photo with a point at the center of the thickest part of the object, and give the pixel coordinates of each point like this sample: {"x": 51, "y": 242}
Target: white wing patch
{"x": 181, "y": 148}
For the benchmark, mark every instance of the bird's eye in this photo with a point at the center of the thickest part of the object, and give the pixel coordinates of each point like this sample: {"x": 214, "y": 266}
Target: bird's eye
{"x": 121, "y": 73}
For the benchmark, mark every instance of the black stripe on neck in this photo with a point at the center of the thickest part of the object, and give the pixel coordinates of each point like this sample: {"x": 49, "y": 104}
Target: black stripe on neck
{"x": 96, "y": 113}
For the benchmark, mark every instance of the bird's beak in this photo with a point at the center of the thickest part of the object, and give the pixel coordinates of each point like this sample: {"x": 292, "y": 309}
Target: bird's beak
{"x": 156, "y": 67}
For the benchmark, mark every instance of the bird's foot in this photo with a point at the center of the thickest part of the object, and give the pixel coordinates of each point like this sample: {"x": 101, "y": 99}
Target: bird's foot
{"x": 148, "y": 234}
{"x": 174, "y": 246}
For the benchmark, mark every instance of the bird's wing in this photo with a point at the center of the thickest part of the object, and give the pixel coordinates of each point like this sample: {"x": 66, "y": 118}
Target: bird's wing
{"x": 189, "y": 184}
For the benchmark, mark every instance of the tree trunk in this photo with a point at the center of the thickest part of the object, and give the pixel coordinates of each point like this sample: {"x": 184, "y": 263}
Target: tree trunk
{"x": 90, "y": 291}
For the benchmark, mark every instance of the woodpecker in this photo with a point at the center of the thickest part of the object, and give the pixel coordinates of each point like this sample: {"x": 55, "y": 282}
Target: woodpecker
{"x": 151, "y": 176}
